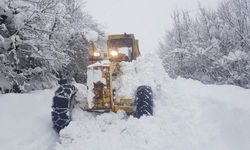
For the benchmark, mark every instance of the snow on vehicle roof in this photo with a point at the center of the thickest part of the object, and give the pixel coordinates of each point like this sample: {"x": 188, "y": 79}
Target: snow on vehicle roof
{"x": 99, "y": 63}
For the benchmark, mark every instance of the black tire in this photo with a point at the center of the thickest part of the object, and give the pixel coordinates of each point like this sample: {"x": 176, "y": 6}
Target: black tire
{"x": 144, "y": 101}
{"x": 63, "y": 103}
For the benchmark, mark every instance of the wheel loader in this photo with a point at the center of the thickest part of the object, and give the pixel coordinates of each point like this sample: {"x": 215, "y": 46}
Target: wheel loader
{"x": 101, "y": 96}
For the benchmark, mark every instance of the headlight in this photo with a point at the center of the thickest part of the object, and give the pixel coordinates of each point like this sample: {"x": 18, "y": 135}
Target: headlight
{"x": 113, "y": 53}
{"x": 97, "y": 54}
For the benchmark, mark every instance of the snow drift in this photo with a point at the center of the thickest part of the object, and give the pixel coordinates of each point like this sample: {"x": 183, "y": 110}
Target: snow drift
{"x": 188, "y": 116}
{"x": 25, "y": 121}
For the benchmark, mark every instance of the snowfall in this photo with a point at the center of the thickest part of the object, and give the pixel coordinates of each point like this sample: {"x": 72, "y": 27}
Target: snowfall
{"x": 188, "y": 115}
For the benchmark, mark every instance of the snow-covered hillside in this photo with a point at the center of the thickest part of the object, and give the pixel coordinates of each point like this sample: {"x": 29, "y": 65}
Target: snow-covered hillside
{"x": 188, "y": 116}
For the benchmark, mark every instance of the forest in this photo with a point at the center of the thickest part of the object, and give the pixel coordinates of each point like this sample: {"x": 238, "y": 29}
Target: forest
{"x": 212, "y": 47}
{"x": 42, "y": 42}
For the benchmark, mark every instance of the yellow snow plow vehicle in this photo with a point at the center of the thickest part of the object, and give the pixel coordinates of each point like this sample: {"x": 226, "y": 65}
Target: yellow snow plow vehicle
{"x": 101, "y": 96}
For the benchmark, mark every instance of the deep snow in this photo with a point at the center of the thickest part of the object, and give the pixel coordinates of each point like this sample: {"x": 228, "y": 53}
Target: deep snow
{"x": 188, "y": 116}
{"x": 25, "y": 121}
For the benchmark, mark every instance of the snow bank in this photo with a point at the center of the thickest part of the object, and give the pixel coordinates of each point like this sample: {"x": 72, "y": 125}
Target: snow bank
{"x": 188, "y": 115}
{"x": 26, "y": 122}
{"x": 137, "y": 73}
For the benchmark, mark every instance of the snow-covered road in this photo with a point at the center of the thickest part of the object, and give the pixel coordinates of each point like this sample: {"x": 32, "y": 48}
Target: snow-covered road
{"x": 188, "y": 116}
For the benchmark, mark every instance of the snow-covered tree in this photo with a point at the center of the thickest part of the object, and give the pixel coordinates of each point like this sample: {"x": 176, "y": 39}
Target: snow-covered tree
{"x": 39, "y": 41}
{"x": 213, "y": 47}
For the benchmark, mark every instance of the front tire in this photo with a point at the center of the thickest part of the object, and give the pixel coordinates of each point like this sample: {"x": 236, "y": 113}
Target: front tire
{"x": 63, "y": 103}
{"x": 144, "y": 101}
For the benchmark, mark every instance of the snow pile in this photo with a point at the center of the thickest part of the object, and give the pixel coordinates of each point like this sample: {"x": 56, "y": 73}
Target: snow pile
{"x": 137, "y": 73}
{"x": 94, "y": 76}
{"x": 188, "y": 115}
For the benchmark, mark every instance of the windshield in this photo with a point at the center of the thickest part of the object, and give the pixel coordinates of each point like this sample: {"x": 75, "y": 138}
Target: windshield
{"x": 122, "y": 46}
{"x": 117, "y": 43}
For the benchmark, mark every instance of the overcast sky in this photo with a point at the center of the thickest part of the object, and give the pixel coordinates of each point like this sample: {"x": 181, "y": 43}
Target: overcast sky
{"x": 147, "y": 19}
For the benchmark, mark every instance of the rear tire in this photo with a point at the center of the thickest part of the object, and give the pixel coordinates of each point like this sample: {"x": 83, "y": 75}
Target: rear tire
{"x": 63, "y": 103}
{"x": 144, "y": 101}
